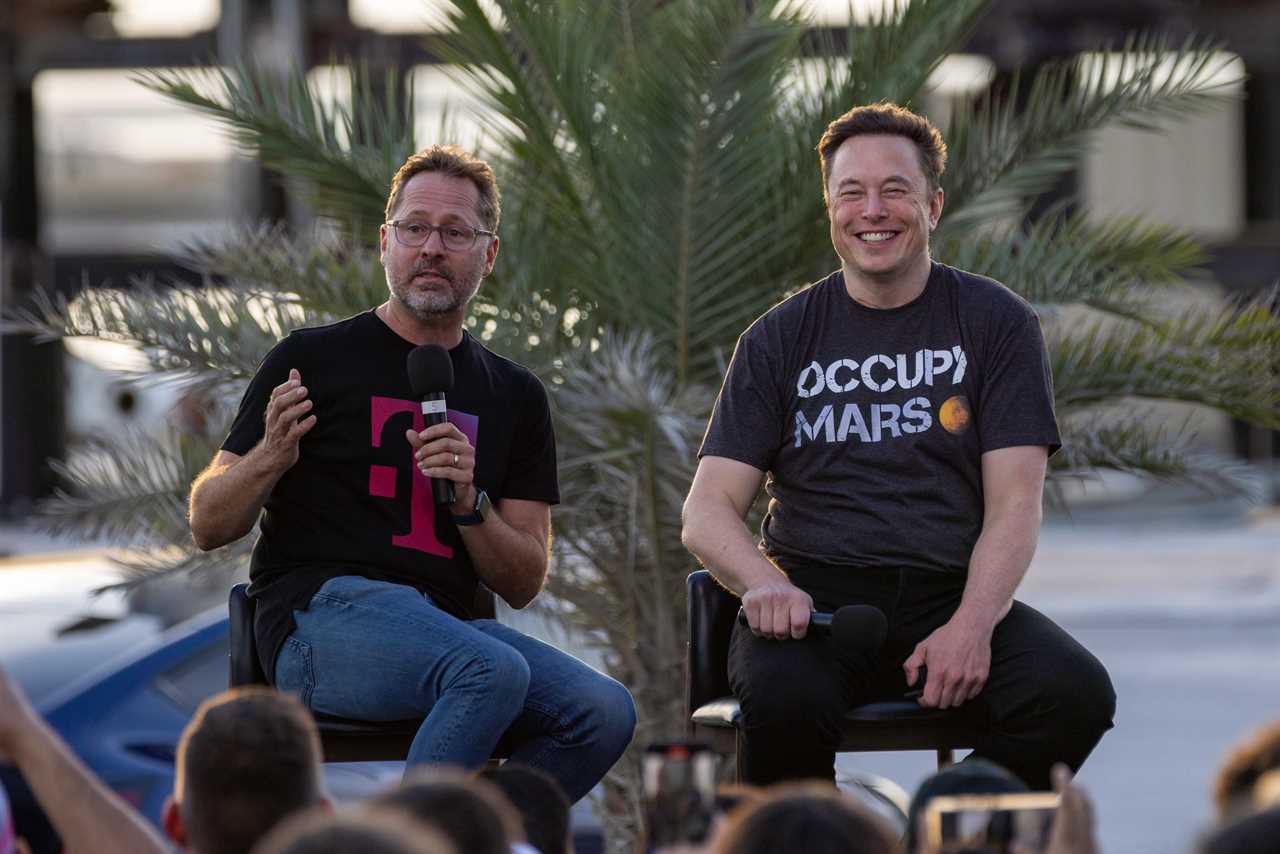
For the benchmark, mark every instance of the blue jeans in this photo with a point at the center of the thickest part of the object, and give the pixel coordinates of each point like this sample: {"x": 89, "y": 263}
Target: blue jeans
{"x": 378, "y": 651}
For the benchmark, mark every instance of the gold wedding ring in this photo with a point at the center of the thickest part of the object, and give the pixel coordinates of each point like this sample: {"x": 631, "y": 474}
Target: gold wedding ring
{"x": 455, "y": 460}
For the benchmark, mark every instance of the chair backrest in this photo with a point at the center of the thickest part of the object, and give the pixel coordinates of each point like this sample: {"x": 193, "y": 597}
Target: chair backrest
{"x": 712, "y": 611}
{"x": 245, "y": 667}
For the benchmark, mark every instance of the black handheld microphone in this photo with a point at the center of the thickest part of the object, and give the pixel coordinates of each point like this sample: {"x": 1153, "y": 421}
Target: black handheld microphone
{"x": 430, "y": 377}
{"x": 852, "y": 627}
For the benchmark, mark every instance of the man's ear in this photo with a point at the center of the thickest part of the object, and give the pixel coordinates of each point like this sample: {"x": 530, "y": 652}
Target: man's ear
{"x": 171, "y": 819}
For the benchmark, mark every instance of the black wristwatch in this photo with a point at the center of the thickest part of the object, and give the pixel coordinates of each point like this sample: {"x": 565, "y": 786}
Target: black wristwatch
{"x": 478, "y": 513}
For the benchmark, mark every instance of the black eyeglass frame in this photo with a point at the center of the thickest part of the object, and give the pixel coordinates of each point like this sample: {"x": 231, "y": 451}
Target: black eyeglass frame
{"x": 476, "y": 233}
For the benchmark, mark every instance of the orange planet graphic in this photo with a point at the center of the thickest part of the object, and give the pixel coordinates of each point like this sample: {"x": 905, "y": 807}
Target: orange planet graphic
{"x": 954, "y": 414}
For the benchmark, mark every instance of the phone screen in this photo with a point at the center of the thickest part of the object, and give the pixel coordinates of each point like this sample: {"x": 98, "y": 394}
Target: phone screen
{"x": 679, "y": 789}
{"x": 1017, "y": 823}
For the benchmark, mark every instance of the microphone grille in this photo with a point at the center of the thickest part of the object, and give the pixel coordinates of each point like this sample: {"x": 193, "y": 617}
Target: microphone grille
{"x": 430, "y": 370}
{"x": 860, "y": 626}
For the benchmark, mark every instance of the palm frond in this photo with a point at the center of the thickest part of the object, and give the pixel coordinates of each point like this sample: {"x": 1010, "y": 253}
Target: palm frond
{"x": 1224, "y": 358}
{"x": 627, "y": 435}
{"x": 212, "y": 570}
{"x": 323, "y": 281}
{"x": 1005, "y": 149}
{"x": 1112, "y": 266}
{"x": 210, "y": 334}
{"x": 347, "y": 156}
{"x": 129, "y": 489}
{"x": 891, "y": 57}
{"x": 1139, "y": 444}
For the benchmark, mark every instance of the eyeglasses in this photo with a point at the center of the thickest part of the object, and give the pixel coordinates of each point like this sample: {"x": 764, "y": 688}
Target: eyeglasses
{"x": 456, "y": 238}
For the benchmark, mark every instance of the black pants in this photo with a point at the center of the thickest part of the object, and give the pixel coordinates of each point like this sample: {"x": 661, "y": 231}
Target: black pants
{"x": 1046, "y": 700}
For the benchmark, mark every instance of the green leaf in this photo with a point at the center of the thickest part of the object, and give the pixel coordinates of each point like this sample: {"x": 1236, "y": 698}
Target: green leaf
{"x": 347, "y": 157}
{"x": 1006, "y": 149}
{"x": 1223, "y": 358}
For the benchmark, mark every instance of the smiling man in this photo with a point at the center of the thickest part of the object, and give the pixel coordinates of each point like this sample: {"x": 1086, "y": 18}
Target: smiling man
{"x": 364, "y": 585}
{"x": 903, "y": 413}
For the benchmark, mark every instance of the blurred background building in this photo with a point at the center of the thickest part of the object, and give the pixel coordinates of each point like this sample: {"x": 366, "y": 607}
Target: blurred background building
{"x": 102, "y": 180}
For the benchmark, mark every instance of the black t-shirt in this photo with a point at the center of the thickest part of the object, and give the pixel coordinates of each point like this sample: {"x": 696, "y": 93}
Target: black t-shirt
{"x": 871, "y": 423}
{"x": 355, "y": 503}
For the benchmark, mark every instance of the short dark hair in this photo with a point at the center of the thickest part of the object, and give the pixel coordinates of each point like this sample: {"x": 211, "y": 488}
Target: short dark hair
{"x": 369, "y": 831}
{"x": 248, "y": 758}
{"x": 1253, "y": 833}
{"x": 886, "y": 119}
{"x": 541, "y": 802}
{"x": 970, "y": 777}
{"x": 455, "y": 162}
{"x": 472, "y": 813}
{"x": 810, "y": 817}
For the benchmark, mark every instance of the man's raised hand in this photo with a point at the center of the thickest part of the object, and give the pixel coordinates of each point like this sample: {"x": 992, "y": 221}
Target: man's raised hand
{"x": 285, "y": 424}
{"x": 778, "y": 610}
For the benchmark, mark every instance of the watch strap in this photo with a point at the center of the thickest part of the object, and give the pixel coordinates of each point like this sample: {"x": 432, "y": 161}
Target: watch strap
{"x": 478, "y": 513}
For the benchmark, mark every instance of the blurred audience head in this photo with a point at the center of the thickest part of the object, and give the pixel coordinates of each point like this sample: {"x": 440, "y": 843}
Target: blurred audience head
{"x": 813, "y": 818}
{"x": 1236, "y": 791}
{"x": 541, "y": 803}
{"x": 1252, "y": 834}
{"x": 365, "y": 831}
{"x": 248, "y": 758}
{"x": 970, "y": 777}
{"x": 472, "y": 813}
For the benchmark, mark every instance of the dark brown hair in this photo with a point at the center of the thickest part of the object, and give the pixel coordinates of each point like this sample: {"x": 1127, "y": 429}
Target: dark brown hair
{"x": 541, "y": 802}
{"x": 473, "y": 814}
{"x": 369, "y": 831}
{"x": 889, "y": 120}
{"x": 809, "y": 817}
{"x": 248, "y": 758}
{"x": 454, "y": 162}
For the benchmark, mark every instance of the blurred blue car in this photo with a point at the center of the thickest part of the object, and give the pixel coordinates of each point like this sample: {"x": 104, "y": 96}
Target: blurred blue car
{"x": 119, "y": 676}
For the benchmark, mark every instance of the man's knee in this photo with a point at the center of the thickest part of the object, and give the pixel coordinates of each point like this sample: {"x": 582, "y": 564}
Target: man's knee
{"x": 1082, "y": 688}
{"x": 499, "y": 672}
{"x": 609, "y": 715}
{"x": 1073, "y": 689}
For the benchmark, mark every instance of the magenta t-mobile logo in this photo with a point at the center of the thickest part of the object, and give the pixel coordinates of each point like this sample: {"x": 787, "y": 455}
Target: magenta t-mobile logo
{"x": 382, "y": 479}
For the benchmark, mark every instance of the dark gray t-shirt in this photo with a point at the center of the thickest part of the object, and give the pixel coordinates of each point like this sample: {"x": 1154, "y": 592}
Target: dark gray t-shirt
{"x": 871, "y": 423}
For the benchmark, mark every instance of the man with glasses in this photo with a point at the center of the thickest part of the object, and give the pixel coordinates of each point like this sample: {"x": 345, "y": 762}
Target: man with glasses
{"x": 364, "y": 586}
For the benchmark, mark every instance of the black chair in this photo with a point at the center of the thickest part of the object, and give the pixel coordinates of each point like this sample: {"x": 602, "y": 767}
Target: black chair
{"x": 343, "y": 739}
{"x": 714, "y": 714}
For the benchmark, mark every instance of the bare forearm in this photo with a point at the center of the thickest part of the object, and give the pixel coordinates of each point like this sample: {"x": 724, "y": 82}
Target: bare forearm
{"x": 227, "y": 499}
{"x": 718, "y": 537}
{"x": 86, "y": 814}
{"x": 999, "y": 562}
{"x": 510, "y": 562}
{"x": 228, "y": 496}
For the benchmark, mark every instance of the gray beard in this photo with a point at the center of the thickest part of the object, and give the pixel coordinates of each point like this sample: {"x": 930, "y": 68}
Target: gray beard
{"x": 432, "y": 305}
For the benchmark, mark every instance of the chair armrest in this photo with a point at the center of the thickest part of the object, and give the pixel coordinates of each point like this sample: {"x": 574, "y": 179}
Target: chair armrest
{"x": 712, "y": 611}
{"x": 246, "y": 669}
